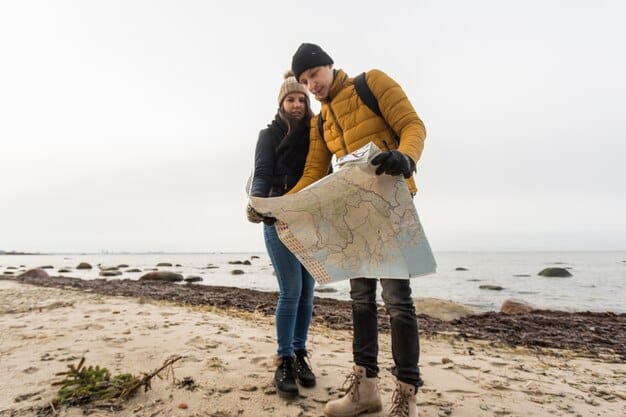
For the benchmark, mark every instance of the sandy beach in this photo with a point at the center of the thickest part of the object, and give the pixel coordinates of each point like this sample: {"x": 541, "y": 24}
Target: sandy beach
{"x": 228, "y": 355}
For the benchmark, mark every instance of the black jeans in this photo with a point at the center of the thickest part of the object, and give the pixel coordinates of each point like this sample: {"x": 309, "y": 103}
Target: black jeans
{"x": 404, "y": 332}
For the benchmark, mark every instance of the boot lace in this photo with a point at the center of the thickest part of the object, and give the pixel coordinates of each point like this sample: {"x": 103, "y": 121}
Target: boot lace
{"x": 303, "y": 363}
{"x": 286, "y": 368}
{"x": 399, "y": 404}
{"x": 352, "y": 382}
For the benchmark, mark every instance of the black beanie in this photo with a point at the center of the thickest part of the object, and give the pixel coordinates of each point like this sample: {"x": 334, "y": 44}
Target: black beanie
{"x": 308, "y": 56}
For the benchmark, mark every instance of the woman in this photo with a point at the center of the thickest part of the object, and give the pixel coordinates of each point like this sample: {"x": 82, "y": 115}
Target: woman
{"x": 281, "y": 151}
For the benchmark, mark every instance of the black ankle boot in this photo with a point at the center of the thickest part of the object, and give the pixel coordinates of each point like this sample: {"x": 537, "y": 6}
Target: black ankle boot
{"x": 285, "y": 378}
{"x": 304, "y": 374}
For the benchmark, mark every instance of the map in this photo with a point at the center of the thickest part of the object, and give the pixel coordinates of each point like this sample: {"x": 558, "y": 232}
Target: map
{"x": 352, "y": 223}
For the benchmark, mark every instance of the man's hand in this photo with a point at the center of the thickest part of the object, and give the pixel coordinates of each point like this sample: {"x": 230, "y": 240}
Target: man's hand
{"x": 394, "y": 163}
{"x": 253, "y": 215}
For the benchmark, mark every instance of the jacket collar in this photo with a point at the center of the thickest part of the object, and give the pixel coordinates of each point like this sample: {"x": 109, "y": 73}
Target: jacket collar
{"x": 339, "y": 82}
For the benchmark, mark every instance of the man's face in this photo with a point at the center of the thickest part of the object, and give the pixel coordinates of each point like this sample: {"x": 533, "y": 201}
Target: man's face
{"x": 318, "y": 80}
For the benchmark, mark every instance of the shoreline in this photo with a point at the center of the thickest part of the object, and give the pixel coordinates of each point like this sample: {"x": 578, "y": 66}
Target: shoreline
{"x": 599, "y": 335}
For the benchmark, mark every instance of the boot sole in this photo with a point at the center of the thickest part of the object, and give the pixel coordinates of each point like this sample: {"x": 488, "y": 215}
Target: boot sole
{"x": 306, "y": 384}
{"x": 288, "y": 395}
{"x": 373, "y": 409}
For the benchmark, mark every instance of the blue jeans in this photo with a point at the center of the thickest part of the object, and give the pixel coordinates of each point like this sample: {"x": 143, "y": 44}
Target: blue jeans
{"x": 404, "y": 332}
{"x": 295, "y": 300}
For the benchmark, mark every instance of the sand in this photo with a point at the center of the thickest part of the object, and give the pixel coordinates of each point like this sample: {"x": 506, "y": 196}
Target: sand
{"x": 228, "y": 355}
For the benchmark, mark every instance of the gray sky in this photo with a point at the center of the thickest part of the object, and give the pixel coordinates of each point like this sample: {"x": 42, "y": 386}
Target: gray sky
{"x": 131, "y": 125}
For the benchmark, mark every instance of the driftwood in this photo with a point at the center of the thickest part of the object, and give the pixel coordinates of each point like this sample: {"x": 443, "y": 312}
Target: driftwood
{"x": 96, "y": 387}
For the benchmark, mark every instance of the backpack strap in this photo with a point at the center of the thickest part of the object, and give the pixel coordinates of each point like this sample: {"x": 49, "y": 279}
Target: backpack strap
{"x": 364, "y": 92}
{"x": 368, "y": 97}
{"x": 320, "y": 125}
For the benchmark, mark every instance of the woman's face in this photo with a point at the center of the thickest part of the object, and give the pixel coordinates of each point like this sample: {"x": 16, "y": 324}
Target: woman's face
{"x": 294, "y": 105}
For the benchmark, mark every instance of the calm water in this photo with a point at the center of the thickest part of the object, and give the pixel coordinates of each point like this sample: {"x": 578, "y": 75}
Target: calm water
{"x": 598, "y": 282}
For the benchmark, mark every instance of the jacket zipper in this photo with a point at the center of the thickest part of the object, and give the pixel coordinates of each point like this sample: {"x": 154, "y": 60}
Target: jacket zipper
{"x": 343, "y": 141}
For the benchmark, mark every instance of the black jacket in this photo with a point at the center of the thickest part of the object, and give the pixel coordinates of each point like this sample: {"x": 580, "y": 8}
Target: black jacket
{"x": 279, "y": 158}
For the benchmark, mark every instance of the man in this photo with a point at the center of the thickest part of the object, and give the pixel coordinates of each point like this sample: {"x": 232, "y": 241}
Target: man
{"x": 348, "y": 124}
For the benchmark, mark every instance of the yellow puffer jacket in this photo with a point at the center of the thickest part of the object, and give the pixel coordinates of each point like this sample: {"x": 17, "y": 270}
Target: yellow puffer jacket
{"x": 349, "y": 124}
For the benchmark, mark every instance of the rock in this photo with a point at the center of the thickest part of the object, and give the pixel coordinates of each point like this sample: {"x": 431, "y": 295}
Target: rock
{"x": 164, "y": 264}
{"x": 161, "y": 276}
{"x": 64, "y": 270}
{"x": 11, "y": 267}
{"x": 256, "y": 257}
{"x": 122, "y": 266}
{"x": 555, "y": 272}
{"x": 246, "y": 262}
{"x": 442, "y": 309}
{"x": 47, "y": 267}
{"x": 193, "y": 279}
{"x": 210, "y": 267}
{"x": 83, "y": 265}
{"x": 521, "y": 275}
{"x": 236, "y": 272}
{"x": 178, "y": 265}
{"x": 35, "y": 273}
{"x": 460, "y": 268}
{"x": 491, "y": 287}
{"x": 133, "y": 270}
{"x": 109, "y": 268}
{"x": 8, "y": 272}
{"x": 511, "y": 306}
{"x": 325, "y": 289}
{"x": 110, "y": 273}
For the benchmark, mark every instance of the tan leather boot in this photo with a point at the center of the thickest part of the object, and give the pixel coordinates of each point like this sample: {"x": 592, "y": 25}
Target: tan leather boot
{"x": 403, "y": 401}
{"x": 361, "y": 397}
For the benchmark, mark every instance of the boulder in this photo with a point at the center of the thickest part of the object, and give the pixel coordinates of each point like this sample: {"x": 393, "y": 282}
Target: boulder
{"x": 35, "y": 273}
{"x": 460, "y": 268}
{"x": 63, "y": 270}
{"x": 325, "y": 289}
{"x": 164, "y": 264}
{"x": 511, "y": 306}
{"x": 236, "y": 272}
{"x": 83, "y": 265}
{"x": 193, "y": 278}
{"x": 161, "y": 276}
{"x": 47, "y": 267}
{"x": 442, "y": 309}
{"x": 256, "y": 257}
{"x": 110, "y": 273}
{"x": 133, "y": 270}
{"x": 555, "y": 272}
{"x": 109, "y": 268}
{"x": 491, "y": 287}
{"x": 122, "y": 266}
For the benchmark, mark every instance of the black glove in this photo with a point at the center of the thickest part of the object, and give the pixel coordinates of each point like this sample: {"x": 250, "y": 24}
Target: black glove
{"x": 256, "y": 217}
{"x": 394, "y": 163}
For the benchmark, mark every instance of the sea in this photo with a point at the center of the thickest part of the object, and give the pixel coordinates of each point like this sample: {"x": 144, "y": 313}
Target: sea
{"x": 598, "y": 281}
